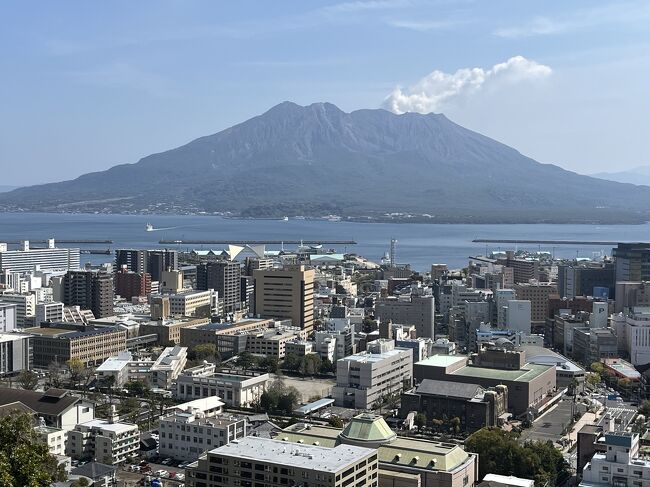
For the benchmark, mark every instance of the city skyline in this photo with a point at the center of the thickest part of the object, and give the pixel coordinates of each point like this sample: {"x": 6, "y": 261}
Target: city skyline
{"x": 87, "y": 88}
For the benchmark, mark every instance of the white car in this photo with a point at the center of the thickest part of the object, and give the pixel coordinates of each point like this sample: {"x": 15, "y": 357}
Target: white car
{"x": 161, "y": 473}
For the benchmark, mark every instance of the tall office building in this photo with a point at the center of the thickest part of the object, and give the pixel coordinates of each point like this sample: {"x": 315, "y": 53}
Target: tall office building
{"x": 286, "y": 293}
{"x": 26, "y": 259}
{"x": 91, "y": 290}
{"x": 223, "y": 276}
{"x": 152, "y": 261}
{"x": 632, "y": 261}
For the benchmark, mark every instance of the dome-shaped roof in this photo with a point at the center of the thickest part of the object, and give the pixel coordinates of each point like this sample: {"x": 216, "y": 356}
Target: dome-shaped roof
{"x": 368, "y": 430}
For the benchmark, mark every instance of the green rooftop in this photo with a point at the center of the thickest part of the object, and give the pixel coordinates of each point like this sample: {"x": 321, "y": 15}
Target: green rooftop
{"x": 527, "y": 373}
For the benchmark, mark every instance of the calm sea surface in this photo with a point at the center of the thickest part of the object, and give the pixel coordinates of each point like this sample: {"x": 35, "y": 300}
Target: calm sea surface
{"x": 418, "y": 244}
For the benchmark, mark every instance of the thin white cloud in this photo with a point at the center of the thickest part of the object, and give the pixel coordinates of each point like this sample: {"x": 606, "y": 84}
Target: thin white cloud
{"x": 615, "y": 13}
{"x": 365, "y": 5}
{"x": 438, "y": 89}
{"x": 424, "y": 25}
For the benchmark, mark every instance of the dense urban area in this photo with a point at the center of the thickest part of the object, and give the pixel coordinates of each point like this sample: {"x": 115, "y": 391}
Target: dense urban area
{"x": 241, "y": 366}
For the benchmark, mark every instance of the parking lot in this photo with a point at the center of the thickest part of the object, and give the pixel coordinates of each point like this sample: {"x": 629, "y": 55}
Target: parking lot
{"x": 131, "y": 479}
{"x": 551, "y": 425}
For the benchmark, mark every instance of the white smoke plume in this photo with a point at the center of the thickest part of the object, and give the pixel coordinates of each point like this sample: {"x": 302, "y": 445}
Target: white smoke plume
{"x": 436, "y": 90}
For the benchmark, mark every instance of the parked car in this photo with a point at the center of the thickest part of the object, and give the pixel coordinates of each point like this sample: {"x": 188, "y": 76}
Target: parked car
{"x": 167, "y": 461}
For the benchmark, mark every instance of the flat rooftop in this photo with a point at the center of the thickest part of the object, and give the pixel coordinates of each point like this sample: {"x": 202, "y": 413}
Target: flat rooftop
{"x": 373, "y": 357}
{"x": 303, "y": 456}
{"x": 442, "y": 360}
{"x": 527, "y": 373}
{"x": 107, "y": 426}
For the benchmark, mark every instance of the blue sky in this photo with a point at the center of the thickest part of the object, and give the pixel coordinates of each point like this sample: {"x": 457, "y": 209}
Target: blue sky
{"x": 87, "y": 85}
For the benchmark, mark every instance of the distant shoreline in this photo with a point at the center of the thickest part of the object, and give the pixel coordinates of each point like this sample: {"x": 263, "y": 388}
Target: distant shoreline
{"x": 433, "y": 220}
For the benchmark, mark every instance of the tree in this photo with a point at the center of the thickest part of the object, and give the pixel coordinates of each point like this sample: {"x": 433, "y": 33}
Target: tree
{"x": 501, "y": 453}
{"x": 336, "y": 422}
{"x": 270, "y": 364}
{"x": 54, "y": 373}
{"x": 28, "y": 379}
{"x": 288, "y": 400}
{"x": 455, "y": 424}
{"x": 326, "y": 366}
{"x": 76, "y": 368}
{"x": 137, "y": 388}
{"x": 25, "y": 460}
{"x": 291, "y": 362}
{"x": 207, "y": 351}
{"x": 246, "y": 360}
{"x": 594, "y": 378}
{"x": 420, "y": 420}
{"x": 597, "y": 367}
{"x": 309, "y": 364}
{"x": 644, "y": 408}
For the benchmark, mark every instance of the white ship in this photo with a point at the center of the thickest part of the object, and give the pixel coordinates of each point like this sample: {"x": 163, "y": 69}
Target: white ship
{"x": 150, "y": 227}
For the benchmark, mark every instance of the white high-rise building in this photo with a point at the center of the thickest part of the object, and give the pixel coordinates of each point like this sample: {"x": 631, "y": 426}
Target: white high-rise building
{"x": 8, "y": 319}
{"x": 27, "y": 259}
{"x": 633, "y": 334}
{"x": 502, "y": 296}
{"x": 518, "y": 315}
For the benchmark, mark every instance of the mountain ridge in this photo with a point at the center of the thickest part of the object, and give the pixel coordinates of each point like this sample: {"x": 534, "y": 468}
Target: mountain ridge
{"x": 317, "y": 160}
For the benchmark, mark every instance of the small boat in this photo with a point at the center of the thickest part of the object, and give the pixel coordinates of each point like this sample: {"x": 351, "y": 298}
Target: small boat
{"x": 150, "y": 227}
{"x": 285, "y": 219}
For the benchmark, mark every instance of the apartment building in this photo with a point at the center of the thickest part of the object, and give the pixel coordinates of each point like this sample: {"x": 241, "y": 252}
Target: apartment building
{"x": 25, "y": 307}
{"x": 193, "y": 303}
{"x": 103, "y": 441}
{"x": 236, "y": 389}
{"x": 633, "y": 334}
{"x": 153, "y": 262}
{"x": 271, "y": 342}
{"x": 54, "y": 438}
{"x": 538, "y": 294}
{"x": 129, "y": 284}
{"x": 269, "y": 462}
{"x": 91, "y": 346}
{"x": 363, "y": 378}
{"x": 170, "y": 331}
{"x": 188, "y": 435}
{"x": 49, "y": 312}
{"x": 412, "y": 310}
{"x": 25, "y": 259}
{"x": 91, "y": 290}
{"x": 229, "y": 337}
{"x": 286, "y": 293}
{"x": 224, "y": 276}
